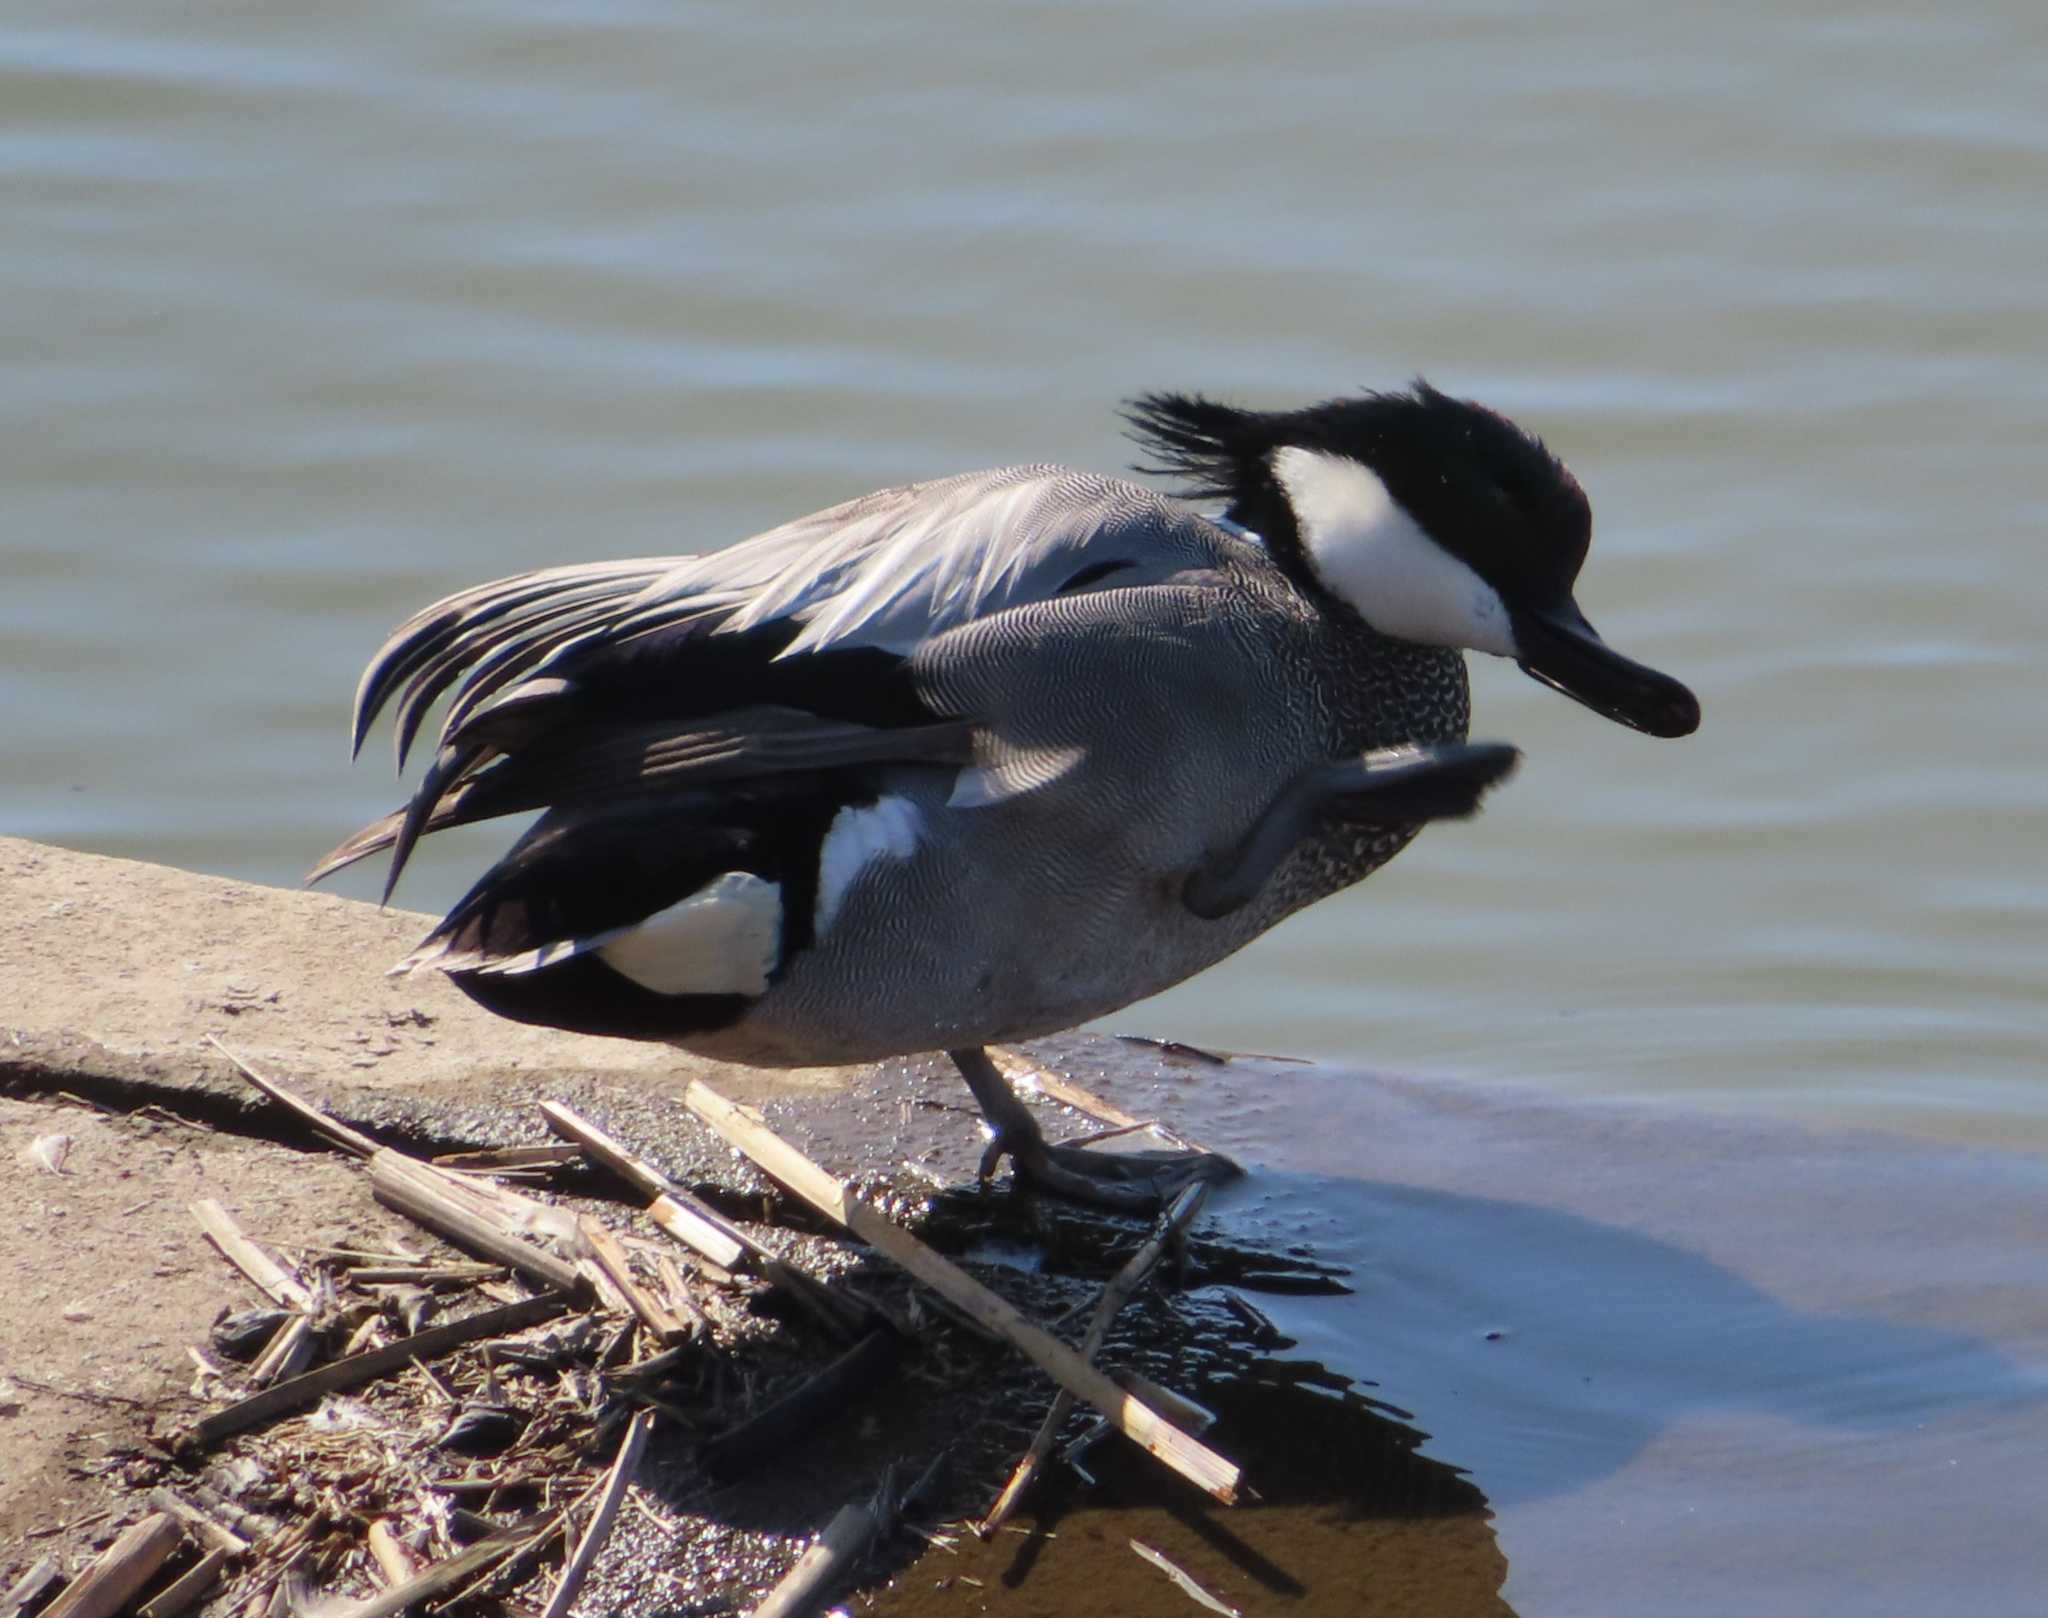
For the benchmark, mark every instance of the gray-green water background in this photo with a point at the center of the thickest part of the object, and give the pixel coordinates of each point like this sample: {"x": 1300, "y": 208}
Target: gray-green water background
{"x": 310, "y": 314}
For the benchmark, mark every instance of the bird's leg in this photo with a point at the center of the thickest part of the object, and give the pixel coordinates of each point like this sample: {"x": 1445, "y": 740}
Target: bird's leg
{"x": 1394, "y": 784}
{"x": 1131, "y": 1180}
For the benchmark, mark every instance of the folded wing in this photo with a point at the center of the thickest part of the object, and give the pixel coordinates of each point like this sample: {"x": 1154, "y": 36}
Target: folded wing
{"x": 784, "y": 656}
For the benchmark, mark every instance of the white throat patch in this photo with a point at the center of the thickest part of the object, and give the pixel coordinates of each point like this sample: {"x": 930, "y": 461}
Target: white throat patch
{"x": 1369, "y": 552}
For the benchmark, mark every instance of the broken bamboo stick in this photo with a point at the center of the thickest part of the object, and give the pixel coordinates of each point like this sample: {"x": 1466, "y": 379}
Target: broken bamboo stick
{"x": 676, "y": 1293}
{"x": 271, "y": 1277}
{"x": 425, "y": 1275}
{"x": 507, "y": 1159}
{"x": 186, "y": 1591}
{"x": 704, "y": 1231}
{"x": 747, "y": 1130}
{"x": 616, "y": 1482}
{"x": 602, "y": 1248}
{"x": 113, "y": 1581}
{"x": 1183, "y": 1412}
{"x": 707, "y": 1241}
{"x": 487, "y": 1217}
{"x": 371, "y": 1364}
{"x": 828, "y": 1560}
{"x": 349, "y": 1140}
{"x": 441, "y": 1203}
{"x": 511, "y": 1211}
{"x": 287, "y": 1353}
{"x": 690, "y": 1221}
{"x": 1180, "y": 1213}
{"x": 394, "y": 1561}
{"x": 1177, "y": 1408}
{"x": 1015, "y": 1065}
{"x": 25, "y": 1591}
{"x": 204, "y": 1527}
{"x": 251, "y": 1525}
{"x": 456, "y": 1569}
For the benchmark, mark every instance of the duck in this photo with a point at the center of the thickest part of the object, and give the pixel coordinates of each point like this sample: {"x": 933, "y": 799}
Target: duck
{"x": 967, "y": 761}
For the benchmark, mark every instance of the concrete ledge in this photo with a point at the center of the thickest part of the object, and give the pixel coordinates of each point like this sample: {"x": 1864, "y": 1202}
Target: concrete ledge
{"x": 113, "y": 972}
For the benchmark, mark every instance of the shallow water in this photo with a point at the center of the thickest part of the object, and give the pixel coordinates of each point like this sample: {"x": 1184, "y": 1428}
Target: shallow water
{"x": 313, "y": 315}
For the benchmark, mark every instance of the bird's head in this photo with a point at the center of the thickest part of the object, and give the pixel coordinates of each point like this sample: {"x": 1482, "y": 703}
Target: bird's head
{"x": 1435, "y": 519}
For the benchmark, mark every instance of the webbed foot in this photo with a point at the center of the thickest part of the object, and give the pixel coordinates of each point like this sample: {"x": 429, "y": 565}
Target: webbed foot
{"x": 1134, "y": 1182}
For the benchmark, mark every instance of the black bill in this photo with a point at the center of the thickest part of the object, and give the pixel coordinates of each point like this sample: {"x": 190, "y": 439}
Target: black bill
{"x": 1558, "y": 647}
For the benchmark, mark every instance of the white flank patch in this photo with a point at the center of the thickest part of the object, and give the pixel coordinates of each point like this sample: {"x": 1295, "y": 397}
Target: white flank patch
{"x": 887, "y": 829}
{"x": 1369, "y": 551}
{"x": 723, "y": 939}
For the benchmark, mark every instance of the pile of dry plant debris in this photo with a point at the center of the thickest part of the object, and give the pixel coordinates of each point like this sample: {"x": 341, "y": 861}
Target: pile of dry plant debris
{"x": 405, "y": 1429}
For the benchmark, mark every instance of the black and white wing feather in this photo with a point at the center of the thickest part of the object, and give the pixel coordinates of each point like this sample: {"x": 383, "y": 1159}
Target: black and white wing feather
{"x": 888, "y": 571}
{"x": 785, "y": 653}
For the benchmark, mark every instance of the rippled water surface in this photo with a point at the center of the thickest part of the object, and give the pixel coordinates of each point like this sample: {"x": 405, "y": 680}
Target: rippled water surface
{"x": 311, "y": 314}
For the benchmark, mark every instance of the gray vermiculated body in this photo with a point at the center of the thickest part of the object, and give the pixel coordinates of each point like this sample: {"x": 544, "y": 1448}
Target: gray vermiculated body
{"x": 1057, "y": 905}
